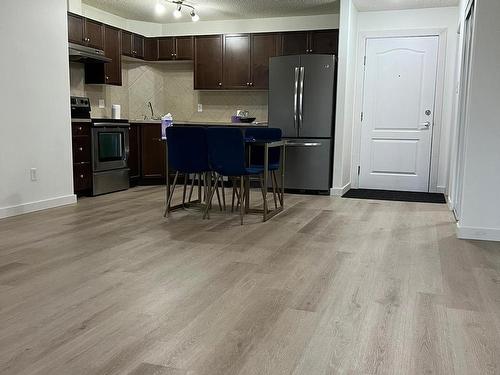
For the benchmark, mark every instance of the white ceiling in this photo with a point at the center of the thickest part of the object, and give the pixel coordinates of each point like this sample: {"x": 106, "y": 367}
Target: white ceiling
{"x": 144, "y": 10}
{"x": 374, "y": 5}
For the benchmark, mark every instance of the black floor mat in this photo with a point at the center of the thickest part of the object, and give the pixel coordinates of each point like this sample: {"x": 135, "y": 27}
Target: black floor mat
{"x": 392, "y": 195}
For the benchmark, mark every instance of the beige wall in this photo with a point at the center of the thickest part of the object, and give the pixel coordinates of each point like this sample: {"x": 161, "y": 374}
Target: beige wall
{"x": 169, "y": 87}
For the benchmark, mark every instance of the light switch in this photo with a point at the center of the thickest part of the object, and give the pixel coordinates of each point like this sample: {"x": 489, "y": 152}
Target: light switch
{"x": 101, "y": 103}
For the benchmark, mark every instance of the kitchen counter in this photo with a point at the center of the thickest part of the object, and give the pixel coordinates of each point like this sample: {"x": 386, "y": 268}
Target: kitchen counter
{"x": 192, "y": 123}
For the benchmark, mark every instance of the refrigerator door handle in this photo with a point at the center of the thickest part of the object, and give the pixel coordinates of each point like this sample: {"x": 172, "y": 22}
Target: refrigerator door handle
{"x": 301, "y": 96}
{"x": 302, "y": 144}
{"x": 295, "y": 95}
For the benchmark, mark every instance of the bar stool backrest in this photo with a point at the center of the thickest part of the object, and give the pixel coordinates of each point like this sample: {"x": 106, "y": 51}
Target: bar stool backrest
{"x": 187, "y": 149}
{"x": 226, "y": 150}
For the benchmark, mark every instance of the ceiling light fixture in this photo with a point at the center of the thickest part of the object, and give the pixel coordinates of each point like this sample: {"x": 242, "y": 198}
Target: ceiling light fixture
{"x": 159, "y": 8}
{"x": 178, "y": 10}
{"x": 194, "y": 16}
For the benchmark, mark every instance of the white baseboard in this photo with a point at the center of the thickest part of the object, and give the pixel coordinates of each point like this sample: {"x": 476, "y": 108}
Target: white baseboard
{"x": 470, "y": 233}
{"x": 37, "y": 206}
{"x": 441, "y": 189}
{"x": 338, "y": 192}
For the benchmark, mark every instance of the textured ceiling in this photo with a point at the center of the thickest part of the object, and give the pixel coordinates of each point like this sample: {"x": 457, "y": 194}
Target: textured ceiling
{"x": 144, "y": 10}
{"x": 373, "y": 5}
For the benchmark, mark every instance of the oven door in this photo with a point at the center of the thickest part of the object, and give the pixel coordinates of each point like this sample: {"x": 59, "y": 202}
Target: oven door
{"x": 110, "y": 147}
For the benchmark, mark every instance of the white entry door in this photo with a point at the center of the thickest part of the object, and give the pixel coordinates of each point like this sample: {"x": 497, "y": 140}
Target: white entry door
{"x": 398, "y": 112}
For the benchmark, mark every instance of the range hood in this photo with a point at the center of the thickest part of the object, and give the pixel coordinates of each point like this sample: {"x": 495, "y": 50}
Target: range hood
{"x": 84, "y": 54}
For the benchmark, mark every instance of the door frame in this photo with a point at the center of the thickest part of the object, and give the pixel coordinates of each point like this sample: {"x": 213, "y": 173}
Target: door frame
{"x": 363, "y": 36}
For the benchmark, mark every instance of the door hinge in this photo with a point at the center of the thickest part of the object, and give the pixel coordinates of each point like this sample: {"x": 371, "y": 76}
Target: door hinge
{"x": 364, "y": 60}
{"x": 359, "y": 169}
{"x": 362, "y": 116}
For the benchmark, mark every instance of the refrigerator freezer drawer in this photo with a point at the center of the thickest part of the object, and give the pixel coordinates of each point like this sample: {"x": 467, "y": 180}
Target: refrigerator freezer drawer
{"x": 308, "y": 164}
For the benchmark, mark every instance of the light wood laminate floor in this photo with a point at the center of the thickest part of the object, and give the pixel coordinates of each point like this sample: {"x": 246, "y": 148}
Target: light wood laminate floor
{"x": 330, "y": 286}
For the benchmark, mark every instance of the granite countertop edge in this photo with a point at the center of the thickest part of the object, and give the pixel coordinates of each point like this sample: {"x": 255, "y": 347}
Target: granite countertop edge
{"x": 199, "y": 123}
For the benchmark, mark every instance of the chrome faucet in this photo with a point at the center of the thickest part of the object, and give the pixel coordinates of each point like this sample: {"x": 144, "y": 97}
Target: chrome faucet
{"x": 152, "y": 112}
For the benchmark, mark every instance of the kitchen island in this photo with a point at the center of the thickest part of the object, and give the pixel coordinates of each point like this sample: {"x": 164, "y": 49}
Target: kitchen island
{"x": 147, "y": 151}
{"x": 202, "y": 123}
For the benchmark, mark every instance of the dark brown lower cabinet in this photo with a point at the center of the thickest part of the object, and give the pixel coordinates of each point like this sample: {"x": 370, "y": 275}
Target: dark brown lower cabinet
{"x": 82, "y": 168}
{"x": 134, "y": 158}
{"x": 152, "y": 154}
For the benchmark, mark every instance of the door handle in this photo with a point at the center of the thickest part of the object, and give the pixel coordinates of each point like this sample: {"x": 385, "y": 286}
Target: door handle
{"x": 303, "y": 144}
{"x": 425, "y": 125}
{"x": 295, "y": 95}
{"x": 301, "y": 96}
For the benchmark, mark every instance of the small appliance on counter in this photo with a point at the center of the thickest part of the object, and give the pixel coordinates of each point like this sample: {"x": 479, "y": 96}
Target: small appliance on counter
{"x": 109, "y": 149}
{"x": 242, "y": 117}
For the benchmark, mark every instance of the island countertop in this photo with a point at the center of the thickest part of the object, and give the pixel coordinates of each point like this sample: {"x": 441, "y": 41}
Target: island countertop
{"x": 200, "y": 123}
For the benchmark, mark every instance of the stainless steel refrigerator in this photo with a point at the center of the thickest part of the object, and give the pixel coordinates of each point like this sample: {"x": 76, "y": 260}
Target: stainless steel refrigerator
{"x": 302, "y": 103}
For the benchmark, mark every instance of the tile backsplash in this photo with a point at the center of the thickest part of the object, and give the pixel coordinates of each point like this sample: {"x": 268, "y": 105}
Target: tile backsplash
{"x": 169, "y": 87}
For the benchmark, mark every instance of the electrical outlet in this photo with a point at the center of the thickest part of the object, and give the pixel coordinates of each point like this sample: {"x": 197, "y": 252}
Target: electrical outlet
{"x": 200, "y": 107}
{"x": 101, "y": 103}
{"x": 33, "y": 174}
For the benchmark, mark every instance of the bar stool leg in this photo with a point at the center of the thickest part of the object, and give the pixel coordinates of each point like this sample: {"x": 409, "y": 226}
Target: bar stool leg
{"x": 242, "y": 195}
{"x": 274, "y": 190}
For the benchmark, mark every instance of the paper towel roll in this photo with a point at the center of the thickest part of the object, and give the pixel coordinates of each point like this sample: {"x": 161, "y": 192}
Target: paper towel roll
{"x": 116, "y": 111}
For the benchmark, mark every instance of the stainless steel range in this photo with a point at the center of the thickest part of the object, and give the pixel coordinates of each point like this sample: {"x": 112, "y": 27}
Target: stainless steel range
{"x": 110, "y": 149}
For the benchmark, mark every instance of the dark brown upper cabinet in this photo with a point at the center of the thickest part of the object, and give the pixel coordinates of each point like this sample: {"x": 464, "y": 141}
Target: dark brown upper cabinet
{"x": 126, "y": 43}
{"x": 324, "y": 41}
{"x": 151, "y": 49}
{"x": 108, "y": 73}
{"x": 85, "y": 31}
{"x": 138, "y": 46}
{"x": 166, "y": 49}
{"x": 236, "y": 60}
{"x": 112, "y": 42}
{"x": 208, "y": 62}
{"x": 132, "y": 45}
{"x": 184, "y": 48}
{"x": 94, "y": 31}
{"x": 295, "y": 43}
{"x": 317, "y": 42}
{"x": 75, "y": 29}
{"x": 175, "y": 48}
{"x": 264, "y": 46}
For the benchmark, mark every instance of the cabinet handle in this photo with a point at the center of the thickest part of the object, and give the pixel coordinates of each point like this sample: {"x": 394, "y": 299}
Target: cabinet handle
{"x": 80, "y": 128}
{"x": 81, "y": 176}
{"x": 220, "y": 84}
{"x": 107, "y": 78}
{"x": 80, "y": 148}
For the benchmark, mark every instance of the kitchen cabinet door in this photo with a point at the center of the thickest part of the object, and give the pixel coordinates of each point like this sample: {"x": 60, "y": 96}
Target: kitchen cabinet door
{"x": 294, "y": 43}
{"x": 153, "y": 153}
{"x": 113, "y": 70}
{"x": 107, "y": 73}
{"x": 184, "y": 48}
{"x": 264, "y": 46}
{"x": 324, "y": 42}
{"x": 166, "y": 49}
{"x": 151, "y": 49}
{"x": 75, "y": 29}
{"x": 208, "y": 62}
{"x": 236, "y": 61}
{"x": 138, "y": 45}
{"x": 94, "y": 32}
{"x": 134, "y": 161}
{"x": 126, "y": 43}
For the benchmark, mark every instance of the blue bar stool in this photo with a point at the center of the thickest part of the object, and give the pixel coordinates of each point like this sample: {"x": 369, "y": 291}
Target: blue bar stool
{"x": 226, "y": 150}
{"x": 187, "y": 154}
{"x": 257, "y": 154}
